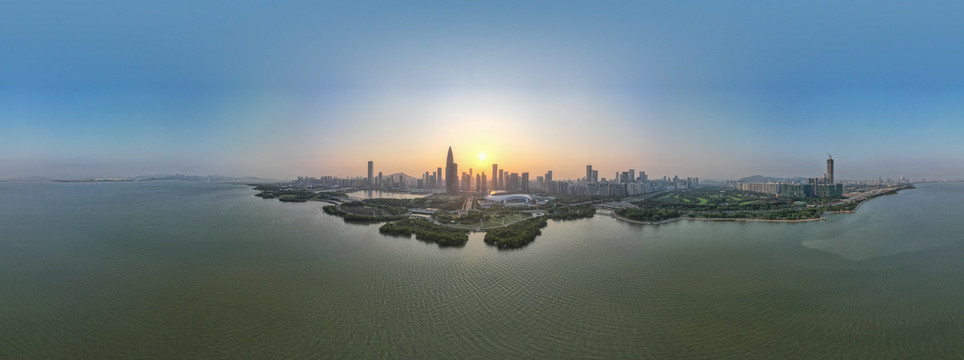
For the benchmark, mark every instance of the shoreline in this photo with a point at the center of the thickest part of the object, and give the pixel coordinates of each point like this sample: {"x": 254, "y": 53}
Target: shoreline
{"x": 821, "y": 218}
{"x": 667, "y": 221}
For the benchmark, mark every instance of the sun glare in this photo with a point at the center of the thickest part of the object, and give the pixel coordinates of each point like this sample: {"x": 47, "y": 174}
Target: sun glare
{"x": 481, "y": 156}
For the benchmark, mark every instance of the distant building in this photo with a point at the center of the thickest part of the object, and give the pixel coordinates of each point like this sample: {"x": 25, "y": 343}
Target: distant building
{"x": 820, "y": 187}
{"x": 484, "y": 189}
{"x": 371, "y": 173}
{"x": 830, "y": 169}
{"x": 451, "y": 174}
{"x": 525, "y": 182}
{"x": 495, "y": 180}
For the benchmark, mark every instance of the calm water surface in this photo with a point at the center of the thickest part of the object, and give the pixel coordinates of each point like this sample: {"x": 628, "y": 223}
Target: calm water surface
{"x": 198, "y": 270}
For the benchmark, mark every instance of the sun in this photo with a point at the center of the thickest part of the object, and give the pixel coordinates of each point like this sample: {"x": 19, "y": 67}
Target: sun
{"x": 481, "y": 156}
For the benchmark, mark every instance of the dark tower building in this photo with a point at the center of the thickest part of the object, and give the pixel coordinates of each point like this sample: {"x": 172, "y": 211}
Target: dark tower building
{"x": 495, "y": 180}
{"x": 371, "y": 173}
{"x": 451, "y": 174}
{"x": 484, "y": 190}
{"x": 829, "y": 169}
{"x": 588, "y": 173}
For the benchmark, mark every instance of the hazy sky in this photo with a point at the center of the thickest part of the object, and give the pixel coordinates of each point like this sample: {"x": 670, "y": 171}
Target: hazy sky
{"x": 716, "y": 89}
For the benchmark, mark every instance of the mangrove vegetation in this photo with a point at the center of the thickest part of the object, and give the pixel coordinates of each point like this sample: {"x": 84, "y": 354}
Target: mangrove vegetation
{"x": 427, "y": 231}
{"x": 516, "y": 235}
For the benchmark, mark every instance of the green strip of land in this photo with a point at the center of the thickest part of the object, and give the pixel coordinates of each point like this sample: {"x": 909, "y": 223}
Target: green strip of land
{"x": 516, "y": 235}
{"x": 427, "y": 231}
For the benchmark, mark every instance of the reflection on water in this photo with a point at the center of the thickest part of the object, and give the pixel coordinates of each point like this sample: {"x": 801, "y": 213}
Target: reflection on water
{"x": 195, "y": 270}
{"x": 913, "y": 220}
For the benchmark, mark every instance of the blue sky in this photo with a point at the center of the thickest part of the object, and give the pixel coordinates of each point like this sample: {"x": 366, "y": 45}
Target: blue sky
{"x": 712, "y": 89}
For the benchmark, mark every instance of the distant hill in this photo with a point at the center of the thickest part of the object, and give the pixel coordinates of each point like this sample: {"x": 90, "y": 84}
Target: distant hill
{"x": 710, "y": 182}
{"x": 166, "y": 177}
{"x": 217, "y": 178}
{"x": 764, "y": 179}
{"x": 406, "y": 176}
{"x": 761, "y": 179}
{"x": 31, "y": 178}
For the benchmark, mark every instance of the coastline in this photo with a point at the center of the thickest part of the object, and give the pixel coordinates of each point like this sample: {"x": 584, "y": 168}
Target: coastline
{"x": 821, "y": 218}
{"x": 713, "y": 219}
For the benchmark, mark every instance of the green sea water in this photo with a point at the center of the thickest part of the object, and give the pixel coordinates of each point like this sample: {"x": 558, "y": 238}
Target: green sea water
{"x": 205, "y": 270}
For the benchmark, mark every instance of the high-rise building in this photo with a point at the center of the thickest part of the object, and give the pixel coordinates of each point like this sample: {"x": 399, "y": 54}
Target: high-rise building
{"x": 589, "y": 173}
{"x": 485, "y": 190}
{"x": 439, "y": 172}
{"x": 830, "y": 169}
{"x": 466, "y": 181}
{"x": 501, "y": 179}
{"x": 632, "y": 175}
{"x": 495, "y": 180}
{"x": 594, "y": 177}
{"x": 371, "y": 173}
{"x": 549, "y": 176}
{"x": 478, "y": 182}
{"x": 512, "y": 184}
{"x": 451, "y": 174}
{"x": 525, "y": 182}
{"x": 379, "y": 179}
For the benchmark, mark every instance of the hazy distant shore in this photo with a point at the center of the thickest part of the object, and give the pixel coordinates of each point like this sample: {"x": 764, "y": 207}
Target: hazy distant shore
{"x": 822, "y": 218}
{"x": 714, "y": 219}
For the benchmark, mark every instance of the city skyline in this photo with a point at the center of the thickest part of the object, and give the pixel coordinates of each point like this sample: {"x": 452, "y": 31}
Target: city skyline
{"x": 591, "y": 172}
{"x": 715, "y": 90}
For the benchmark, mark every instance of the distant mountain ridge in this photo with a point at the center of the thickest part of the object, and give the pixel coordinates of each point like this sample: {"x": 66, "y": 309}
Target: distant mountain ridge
{"x": 31, "y": 178}
{"x": 174, "y": 177}
{"x": 218, "y": 178}
{"x": 766, "y": 179}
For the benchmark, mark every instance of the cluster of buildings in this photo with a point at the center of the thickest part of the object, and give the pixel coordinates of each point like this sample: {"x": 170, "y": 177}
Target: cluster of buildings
{"x": 623, "y": 183}
{"x": 818, "y": 187}
{"x": 452, "y": 181}
{"x": 500, "y": 180}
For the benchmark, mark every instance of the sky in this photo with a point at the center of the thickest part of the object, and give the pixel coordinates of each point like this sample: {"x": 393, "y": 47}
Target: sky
{"x": 714, "y": 89}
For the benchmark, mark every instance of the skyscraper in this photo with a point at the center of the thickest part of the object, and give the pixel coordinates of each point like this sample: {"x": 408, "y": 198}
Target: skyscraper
{"x": 525, "y": 182}
{"x": 495, "y": 180}
{"x": 451, "y": 174}
{"x": 588, "y": 173}
{"x": 549, "y": 176}
{"x": 371, "y": 173}
{"x": 501, "y": 179}
{"x": 439, "y": 178}
{"x": 830, "y": 169}
{"x": 485, "y": 190}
